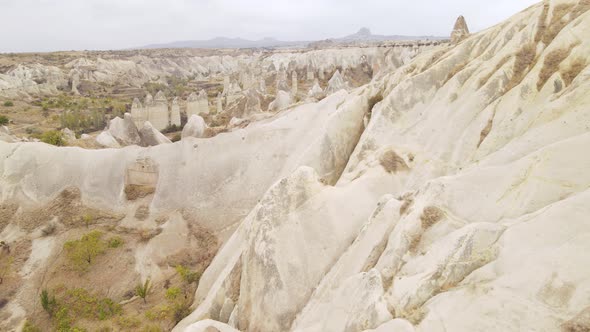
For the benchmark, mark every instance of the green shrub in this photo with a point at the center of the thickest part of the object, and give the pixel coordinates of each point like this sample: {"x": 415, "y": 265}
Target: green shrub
{"x": 83, "y": 304}
{"x": 115, "y": 242}
{"x": 128, "y": 323}
{"x": 48, "y": 302}
{"x": 3, "y": 120}
{"x": 176, "y": 138}
{"x": 30, "y": 327}
{"x": 172, "y": 293}
{"x": 53, "y": 137}
{"x": 8, "y": 103}
{"x": 187, "y": 275}
{"x": 83, "y": 251}
{"x": 142, "y": 290}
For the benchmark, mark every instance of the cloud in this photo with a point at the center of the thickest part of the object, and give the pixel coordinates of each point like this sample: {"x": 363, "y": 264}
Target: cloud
{"x": 47, "y": 25}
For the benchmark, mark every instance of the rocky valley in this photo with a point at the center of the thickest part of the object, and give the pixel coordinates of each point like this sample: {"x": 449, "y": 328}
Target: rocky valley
{"x": 411, "y": 186}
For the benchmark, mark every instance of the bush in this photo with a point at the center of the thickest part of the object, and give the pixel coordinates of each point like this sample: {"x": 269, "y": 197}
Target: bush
{"x": 30, "y": 327}
{"x": 176, "y": 138}
{"x": 53, "y": 137}
{"x": 48, "y": 302}
{"x": 8, "y": 103}
{"x": 142, "y": 290}
{"x": 3, "y": 120}
{"x": 187, "y": 275}
{"x": 115, "y": 242}
{"x": 83, "y": 251}
{"x": 172, "y": 293}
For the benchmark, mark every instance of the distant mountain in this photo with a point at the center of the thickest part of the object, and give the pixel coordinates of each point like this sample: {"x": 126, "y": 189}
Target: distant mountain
{"x": 363, "y": 35}
{"x": 223, "y": 42}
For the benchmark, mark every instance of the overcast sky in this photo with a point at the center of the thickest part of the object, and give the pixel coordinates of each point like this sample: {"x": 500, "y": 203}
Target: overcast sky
{"x": 49, "y": 25}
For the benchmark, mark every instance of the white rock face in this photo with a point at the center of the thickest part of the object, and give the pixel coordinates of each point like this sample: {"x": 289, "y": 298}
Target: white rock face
{"x": 195, "y": 127}
{"x": 316, "y": 91}
{"x": 282, "y": 100}
{"x": 150, "y": 136}
{"x": 158, "y": 112}
{"x": 175, "y": 113}
{"x": 479, "y": 175}
{"x": 451, "y": 193}
{"x": 107, "y": 140}
{"x": 336, "y": 83}
{"x": 69, "y": 135}
{"x": 124, "y": 130}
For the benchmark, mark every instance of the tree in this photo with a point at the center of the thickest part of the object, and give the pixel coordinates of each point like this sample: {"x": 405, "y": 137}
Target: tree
{"x": 53, "y": 137}
{"x": 83, "y": 251}
{"x": 142, "y": 290}
{"x": 48, "y": 302}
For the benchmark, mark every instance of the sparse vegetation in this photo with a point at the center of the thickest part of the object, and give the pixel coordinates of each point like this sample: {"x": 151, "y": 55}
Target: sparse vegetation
{"x": 53, "y": 137}
{"x": 143, "y": 289}
{"x": 48, "y": 302}
{"x": 48, "y": 229}
{"x": 392, "y": 162}
{"x": 87, "y": 219}
{"x": 82, "y": 252}
{"x": 499, "y": 65}
{"x": 171, "y": 129}
{"x": 187, "y": 275}
{"x": 430, "y": 216}
{"x": 3, "y": 120}
{"x": 176, "y": 137}
{"x": 134, "y": 192}
{"x": 115, "y": 242}
{"x": 8, "y": 103}
{"x": 6, "y": 262}
{"x": 457, "y": 69}
{"x": 572, "y": 71}
{"x": 30, "y": 327}
{"x": 172, "y": 293}
{"x": 75, "y": 304}
{"x": 374, "y": 100}
{"x": 524, "y": 59}
{"x": 551, "y": 64}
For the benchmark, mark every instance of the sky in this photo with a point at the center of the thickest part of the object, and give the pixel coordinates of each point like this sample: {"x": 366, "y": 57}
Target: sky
{"x": 52, "y": 25}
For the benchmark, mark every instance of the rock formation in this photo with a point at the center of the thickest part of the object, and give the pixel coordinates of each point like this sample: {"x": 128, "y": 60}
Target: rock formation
{"x": 282, "y": 100}
{"x": 449, "y": 193}
{"x": 124, "y": 130}
{"x": 150, "y": 136}
{"x": 336, "y": 83}
{"x": 294, "y": 84}
{"x": 195, "y": 127}
{"x": 192, "y": 105}
{"x": 316, "y": 91}
{"x": 158, "y": 114}
{"x": 460, "y": 30}
{"x": 175, "y": 113}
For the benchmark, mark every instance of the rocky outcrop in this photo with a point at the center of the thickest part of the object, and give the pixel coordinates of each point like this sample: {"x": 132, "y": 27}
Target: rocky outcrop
{"x": 336, "y": 83}
{"x": 282, "y": 100}
{"x": 460, "y": 30}
{"x": 316, "y": 91}
{"x": 124, "y": 130}
{"x": 150, "y": 136}
{"x": 195, "y": 127}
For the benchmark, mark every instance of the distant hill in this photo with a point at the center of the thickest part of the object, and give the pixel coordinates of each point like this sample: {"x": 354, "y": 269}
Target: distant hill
{"x": 223, "y": 42}
{"x": 363, "y": 35}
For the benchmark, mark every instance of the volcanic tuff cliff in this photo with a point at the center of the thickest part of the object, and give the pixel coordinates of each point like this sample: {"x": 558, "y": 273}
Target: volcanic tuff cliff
{"x": 451, "y": 194}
